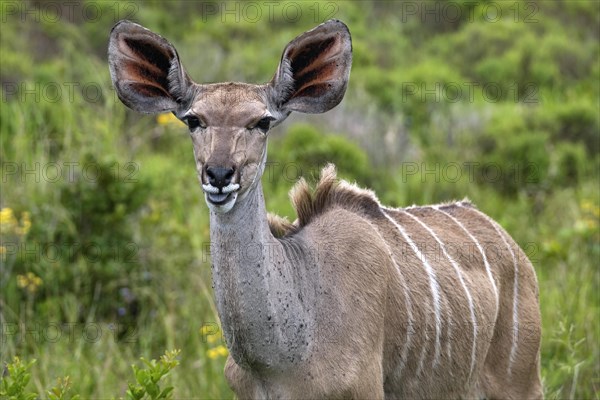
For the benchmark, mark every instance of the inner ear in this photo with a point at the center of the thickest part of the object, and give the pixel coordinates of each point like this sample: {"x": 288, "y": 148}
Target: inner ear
{"x": 312, "y": 65}
{"x": 146, "y": 70}
{"x": 314, "y": 69}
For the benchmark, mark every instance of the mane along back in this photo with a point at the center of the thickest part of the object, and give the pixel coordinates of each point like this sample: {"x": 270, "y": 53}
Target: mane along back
{"x": 331, "y": 192}
{"x": 328, "y": 193}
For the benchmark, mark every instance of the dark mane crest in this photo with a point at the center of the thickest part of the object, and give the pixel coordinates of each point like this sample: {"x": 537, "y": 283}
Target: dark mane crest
{"x": 280, "y": 226}
{"x": 330, "y": 192}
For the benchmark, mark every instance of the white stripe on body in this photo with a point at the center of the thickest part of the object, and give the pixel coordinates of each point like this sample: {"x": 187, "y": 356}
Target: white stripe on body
{"x": 410, "y": 329}
{"x": 488, "y": 268}
{"x": 515, "y": 336}
{"x": 463, "y": 284}
{"x": 433, "y": 284}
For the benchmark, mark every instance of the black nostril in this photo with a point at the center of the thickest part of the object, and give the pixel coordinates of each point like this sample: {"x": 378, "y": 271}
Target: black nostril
{"x": 219, "y": 177}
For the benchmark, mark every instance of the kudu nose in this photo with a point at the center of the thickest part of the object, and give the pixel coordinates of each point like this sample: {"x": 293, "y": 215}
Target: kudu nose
{"x": 219, "y": 177}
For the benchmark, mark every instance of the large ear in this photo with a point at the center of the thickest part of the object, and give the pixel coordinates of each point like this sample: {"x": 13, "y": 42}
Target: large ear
{"x": 314, "y": 70}
{"x": 145, "y": 70}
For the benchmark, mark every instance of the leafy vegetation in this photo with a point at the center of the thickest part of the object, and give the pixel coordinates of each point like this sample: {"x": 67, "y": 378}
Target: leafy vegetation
{"x": 104, "y": 232}
{"x": 146, "y": 386}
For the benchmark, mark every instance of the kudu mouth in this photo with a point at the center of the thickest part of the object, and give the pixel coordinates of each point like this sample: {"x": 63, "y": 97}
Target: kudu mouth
{"x": 224, "y": 186}
{"x": 220, "y": 196}
{"x": 220, "y": 187}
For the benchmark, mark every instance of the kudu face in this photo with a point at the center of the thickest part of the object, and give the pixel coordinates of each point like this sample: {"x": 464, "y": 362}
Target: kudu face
{"x": 229, "y": 122}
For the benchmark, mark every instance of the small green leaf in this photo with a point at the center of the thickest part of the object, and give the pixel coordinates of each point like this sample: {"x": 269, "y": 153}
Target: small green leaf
{"x": 166, "y": 393}
{"x": 153, "y": 390}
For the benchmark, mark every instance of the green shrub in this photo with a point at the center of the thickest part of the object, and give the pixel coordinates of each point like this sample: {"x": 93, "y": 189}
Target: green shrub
{"x": 569, "y": 164}
{"x": 519, "y": 162}
{"x": 305, "y": 150}
{"x": 84, "y": 246}
{"x": 568, "y": 119}
{"x": 15, "y": 380}
{"x": 579, "y": 122}
{"x": 479, "y": 40}
{"x": 147, "y": 383}
{"x": 511, "y": 156}
{"x": 425, "y": 89}
{"x": 147, "y": 379}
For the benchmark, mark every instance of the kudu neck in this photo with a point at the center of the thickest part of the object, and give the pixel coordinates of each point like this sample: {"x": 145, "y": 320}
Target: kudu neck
{"x": 247, "y": 217}
{"x": 260, "y": 295}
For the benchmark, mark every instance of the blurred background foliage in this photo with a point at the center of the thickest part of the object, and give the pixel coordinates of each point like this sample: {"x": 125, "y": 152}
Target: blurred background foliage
{"x": 104, "y": 253}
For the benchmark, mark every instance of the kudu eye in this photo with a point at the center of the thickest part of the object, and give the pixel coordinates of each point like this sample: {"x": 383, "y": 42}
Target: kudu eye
{"x": 193, "y": 123}
{"x": 263, "y": 125}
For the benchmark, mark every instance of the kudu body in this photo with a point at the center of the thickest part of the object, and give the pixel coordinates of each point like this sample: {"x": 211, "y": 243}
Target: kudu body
{"x": 353, "y": 300}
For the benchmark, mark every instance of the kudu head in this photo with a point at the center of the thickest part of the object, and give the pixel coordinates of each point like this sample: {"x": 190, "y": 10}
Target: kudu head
{"x": 229, "y": 122}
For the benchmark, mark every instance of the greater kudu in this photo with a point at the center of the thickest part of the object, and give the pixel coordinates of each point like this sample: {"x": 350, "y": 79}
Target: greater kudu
{"x": 354, "y": 299}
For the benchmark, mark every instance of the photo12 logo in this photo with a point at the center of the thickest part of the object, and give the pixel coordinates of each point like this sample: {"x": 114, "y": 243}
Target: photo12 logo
{"x": 55, "y": 92}
{"x": 67, "y": 332}
{"x": 67, "y": 171}
{"x": 268, "y": 11}
{"x": 453, "y": 92}
{"x": 59, "y": 252}
{"x": 469, "y": 11}
{"x": 68, "y": 10}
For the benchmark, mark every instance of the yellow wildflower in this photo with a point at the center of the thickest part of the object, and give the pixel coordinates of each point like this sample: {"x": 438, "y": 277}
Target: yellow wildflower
{"x": 591, "y": 223}
{"x": 219, "y": 351}
{"x": 213, "y": 339}
{"x": 7, "y": 219}
{"x": 30, "y": 282}
{"x": 210, "y": 329}
{"x": 25, "y": 224}
{"x": 2, "y": 250}
{"x": 591, "y": 216}
{"x": 590, "y": 208}
{"x": 169, "y": 118}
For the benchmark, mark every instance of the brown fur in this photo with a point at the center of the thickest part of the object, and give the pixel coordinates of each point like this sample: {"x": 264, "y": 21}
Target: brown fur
{"x": 330, "y": 196}
{"x": 280, "y": 226}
